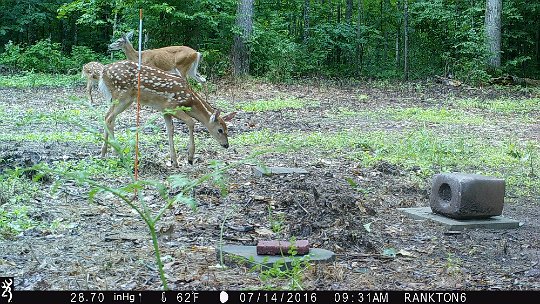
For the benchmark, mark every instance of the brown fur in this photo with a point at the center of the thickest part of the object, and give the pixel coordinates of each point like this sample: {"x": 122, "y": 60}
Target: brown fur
{"x": 172, "y": 59}
{"x": 91, "y": 71}
{"x": 164, "y": 92}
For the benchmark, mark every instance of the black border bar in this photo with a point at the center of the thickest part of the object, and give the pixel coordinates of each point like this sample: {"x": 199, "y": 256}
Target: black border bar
{"x": 263, "y": 297}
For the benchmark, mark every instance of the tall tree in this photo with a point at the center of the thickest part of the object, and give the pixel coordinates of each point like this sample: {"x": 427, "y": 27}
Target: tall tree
{"x": 360, "y": 44}
{"x": 493, "y": 32}
{"x": 348, "y": 11}
{"x": 406, "y": 39}
{"x": 306, "y": 21}
{"x": 244, "y": 23}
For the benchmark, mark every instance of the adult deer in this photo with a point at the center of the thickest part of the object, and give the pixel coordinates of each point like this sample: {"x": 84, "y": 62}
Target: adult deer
{"x": 181, "y": 60}
{"x": 92, "y": 72}
{"x": 164, "y": 92}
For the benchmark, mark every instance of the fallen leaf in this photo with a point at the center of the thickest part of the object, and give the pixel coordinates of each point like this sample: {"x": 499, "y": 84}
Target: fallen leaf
{"x": 367, "y": 227}
{"x": 406, "y": 253}
{"x": 389, "y": 253}
{"x": 264, "y": 231}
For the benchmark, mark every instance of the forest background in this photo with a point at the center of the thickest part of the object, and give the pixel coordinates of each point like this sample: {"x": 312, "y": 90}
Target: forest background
{"x": 286, "y": 39}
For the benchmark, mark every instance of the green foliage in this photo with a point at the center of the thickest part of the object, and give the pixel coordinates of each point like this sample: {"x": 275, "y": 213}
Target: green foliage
{"x": 504, "y": 106}
{"x": 277, "y": 54}
{"x": 453, "y": 265}
{"x": 11, "y": 55}
{"x": 216, "y": 63}
{"x": 79, "y": 56}
{"x": 46, "y": 57}
{"x": 16, "y": 195}
{"x": 276, "y": 220}
{"x": 30, "y": 80}
{"x": 289, "y": 39}
{"x": 451, "y": 38}
{"x": 441, "y": 115}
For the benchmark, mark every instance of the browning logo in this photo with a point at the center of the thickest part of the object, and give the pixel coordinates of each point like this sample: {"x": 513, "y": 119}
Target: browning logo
{"x": 5, "y": 285}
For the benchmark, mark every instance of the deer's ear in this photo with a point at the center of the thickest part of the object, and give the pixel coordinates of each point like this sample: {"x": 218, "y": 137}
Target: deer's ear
{"x": 129, "y": 35}
{"x": 229, "y": 116}
{"x": 214, "y": 116}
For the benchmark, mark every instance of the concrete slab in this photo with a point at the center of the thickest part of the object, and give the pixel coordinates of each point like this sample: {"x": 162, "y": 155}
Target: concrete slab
{"x": 247, "y": 255}
{"x": 267, "y": 171}
{"x": 495, "y": 222}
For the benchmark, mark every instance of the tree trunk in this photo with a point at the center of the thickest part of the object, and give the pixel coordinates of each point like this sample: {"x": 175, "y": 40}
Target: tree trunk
{"x": 306, "y": 21}
{"x": 360, "y": 47}
{"x": 493, "y": 32}
{"x": 538, "y": 44}
{"x": 397, "y": 48}
{"x": 384, "y": 13}
{"x": 241, "y": 53}
{"x": 406, "y": 40}
{"x": 348, "y": 11}
{"x": 398, "y": 34}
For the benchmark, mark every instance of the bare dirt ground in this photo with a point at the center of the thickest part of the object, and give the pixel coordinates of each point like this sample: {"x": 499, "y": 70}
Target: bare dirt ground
{"x": 104, "y": 245}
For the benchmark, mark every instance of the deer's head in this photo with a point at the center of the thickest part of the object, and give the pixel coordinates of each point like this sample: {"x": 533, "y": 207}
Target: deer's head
{"x": 218, "y": 128}
{"x": 121, "y": 42}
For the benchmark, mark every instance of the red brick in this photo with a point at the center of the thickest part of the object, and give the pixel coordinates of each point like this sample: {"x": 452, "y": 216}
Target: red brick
{"x": 282, "y": 247}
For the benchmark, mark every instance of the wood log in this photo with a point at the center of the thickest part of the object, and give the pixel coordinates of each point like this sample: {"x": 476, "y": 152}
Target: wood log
{"x": 514, "y": 80}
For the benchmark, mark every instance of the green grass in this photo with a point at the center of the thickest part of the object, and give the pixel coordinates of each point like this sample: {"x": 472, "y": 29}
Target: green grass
{"x": 31, "y": 80}
{"x": 428, "y": 151}
{"x": 97, "y": 167}
{"x": 33, "y": 116}
{"x": 442, "y": 147}
{"x": 504, "y": 106}
{"x": 416, "y": 114}
{"x": 442, "y": 115}
{"x": 59, "y": 136}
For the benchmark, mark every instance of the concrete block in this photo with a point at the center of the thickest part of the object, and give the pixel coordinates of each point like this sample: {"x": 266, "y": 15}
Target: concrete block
{"x": 467, "y": 196}
{"x": 267, "y": 171}
{"x": 495, "y": 222}
{"x": 282, "y": 247}
{"x": 247, "y": 256}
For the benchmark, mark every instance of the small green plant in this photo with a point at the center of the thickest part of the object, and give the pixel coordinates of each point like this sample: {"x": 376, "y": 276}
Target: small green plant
{"x": 282, "y": 274}
{"x": 276, "y": 220}
{"x": 362, "y": 97}
{"x": 16, "y": 193}
{"x": 221, "y": 230}
{"x": 356, "y": 186}
{"x": 453, "y": 265}
{"x": 502, "y": 106}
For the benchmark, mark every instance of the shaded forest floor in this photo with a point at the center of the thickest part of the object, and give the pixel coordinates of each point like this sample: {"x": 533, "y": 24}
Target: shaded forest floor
{"x": 370, "y": 149}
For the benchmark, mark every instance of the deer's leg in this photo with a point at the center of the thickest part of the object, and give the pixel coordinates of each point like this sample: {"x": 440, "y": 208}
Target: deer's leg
{"x": 191, "y": 145}
{"x": 170, "y": 134}
{"x": 191, "y": 126}
{"x": 89, "y": 84}
{"x": 177, "y": 72}
{"x": 193, "y": 69}
{"x": 114, "y": 110}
